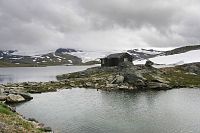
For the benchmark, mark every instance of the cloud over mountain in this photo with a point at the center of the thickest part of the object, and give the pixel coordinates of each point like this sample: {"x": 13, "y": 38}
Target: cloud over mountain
{"x": 89, "y": 24}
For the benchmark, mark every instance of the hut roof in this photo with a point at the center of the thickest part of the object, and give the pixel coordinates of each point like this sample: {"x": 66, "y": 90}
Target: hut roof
{"x": 117, "y": 55}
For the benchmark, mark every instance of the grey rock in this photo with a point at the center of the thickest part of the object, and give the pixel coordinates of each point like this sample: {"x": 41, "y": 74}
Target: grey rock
{"x": 149, "y": 63}
{"x": 140, "y": 82}
{"x": 132, "y": 79}
{"x": 32, "y": 119}
{"x": 34, "y": 91}
{"x": 111, "y": 85}
{"x": 96, "y": 85}
{"x": 110, "y": 78}
{"x": 26, "y": 96}
{"x": 13, "y": 109}
{"x": 123, "y": 87}
{"x": 47, "y": 129}
{"x": 118, "y": 79}
{"x": 88, "y": 84}
{"x": 1, "y": 91}
{"x": 72, "y": 84}
{"x": 132, "y": 88}
{"x": 12, "y": 98}
{"x": 3, "y": 98}
{"x": 158, "y": 86}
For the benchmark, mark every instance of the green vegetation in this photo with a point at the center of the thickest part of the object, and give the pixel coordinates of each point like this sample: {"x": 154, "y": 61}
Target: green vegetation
{"x": 181, "y": 78}
{"x": 5, "y": 110}
{"x": 12, "y": 122}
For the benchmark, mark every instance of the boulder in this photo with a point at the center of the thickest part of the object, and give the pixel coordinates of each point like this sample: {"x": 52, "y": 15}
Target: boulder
{"x": 88, "y": 84}
{"x": 1, "y": 91}
{"x": 72, "y": 84}
{"x": 34, "y": 91}
{"x": 158, "y": 86}
{"x": 12, "y": 98}
{"x": 132, "y": 79}
{"x": 47, "y": 129}
{"x": 149, "y": 63}
{"x": 26, "y": 96}
{"x": 132, "y": 88}
{"x": 110, "y": 78}
{"x": 119, "y": 79}
{"x": 123, "y": 87}
{"x": 32, "y": 119}
{"x": 3, "y": 98}
{"x": 111, "y": 85}
{"x": 140, "y": 82}
{"x": 96, "y": 85}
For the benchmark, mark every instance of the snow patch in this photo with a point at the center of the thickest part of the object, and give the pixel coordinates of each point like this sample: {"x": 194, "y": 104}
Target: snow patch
{"x": 58, "y": 56}
{"x": 16, "y": 58}
{"x": 93, "y": 55}
{"x": 176, "y": 59}
{"x": 70, "y": 61}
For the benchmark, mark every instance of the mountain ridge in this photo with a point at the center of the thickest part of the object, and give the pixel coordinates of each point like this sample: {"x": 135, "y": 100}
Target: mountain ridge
{"x": 69, "y": 56}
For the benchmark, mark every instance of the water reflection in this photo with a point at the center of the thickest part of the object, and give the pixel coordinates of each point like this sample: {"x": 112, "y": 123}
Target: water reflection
{"x": 36, "y": 74}
{"x": 91, "y": 111}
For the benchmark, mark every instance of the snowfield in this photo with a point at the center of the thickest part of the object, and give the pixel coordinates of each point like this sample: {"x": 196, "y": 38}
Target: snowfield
{"x": 176, "y": 59}
{"x": 93, "y": 55}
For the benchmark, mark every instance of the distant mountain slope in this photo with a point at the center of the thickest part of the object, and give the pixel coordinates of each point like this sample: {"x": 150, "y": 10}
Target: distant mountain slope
{"x": 140, "y": 54}
{"x": 182, "y": 50}
{"x": 68, "y": 56}
{"x": 174, "y": 59}
{"x": 66, "y": 50}
{"x": 8, "y": 58}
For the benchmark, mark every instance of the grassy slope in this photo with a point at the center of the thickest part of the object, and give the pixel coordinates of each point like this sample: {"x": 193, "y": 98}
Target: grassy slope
{"x": 12, "y": 123}
{"x": 175, "y": 77}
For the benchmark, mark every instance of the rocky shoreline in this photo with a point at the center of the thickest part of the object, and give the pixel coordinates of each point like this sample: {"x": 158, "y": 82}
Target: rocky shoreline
{"x": 126, "y": 77}
{"x": 11, "y": 121}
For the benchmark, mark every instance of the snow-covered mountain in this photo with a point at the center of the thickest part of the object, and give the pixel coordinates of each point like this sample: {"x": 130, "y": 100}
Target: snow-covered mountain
{"x": 87, "y": 56}
{"x": 15, "y": 58}
{"x": 140, "y": 54}
{"x": 68, "y": 56}
{"x": 178, "y": 56}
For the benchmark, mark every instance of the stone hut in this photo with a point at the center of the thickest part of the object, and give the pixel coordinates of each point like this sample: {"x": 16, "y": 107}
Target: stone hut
{"x": 116, "y": 59}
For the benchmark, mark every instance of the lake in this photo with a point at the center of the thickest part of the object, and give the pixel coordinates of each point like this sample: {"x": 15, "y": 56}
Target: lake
{"x": 36, "y": 74}
{"x": 89, "y": 111}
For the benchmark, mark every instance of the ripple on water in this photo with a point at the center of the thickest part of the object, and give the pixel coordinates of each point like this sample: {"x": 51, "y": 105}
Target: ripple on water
{"x": 90, "y": 111}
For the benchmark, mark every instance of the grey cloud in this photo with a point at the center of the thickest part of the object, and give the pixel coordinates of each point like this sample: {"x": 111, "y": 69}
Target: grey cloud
{"x": 135, "y": 13}
{"x": 104, "y": 24}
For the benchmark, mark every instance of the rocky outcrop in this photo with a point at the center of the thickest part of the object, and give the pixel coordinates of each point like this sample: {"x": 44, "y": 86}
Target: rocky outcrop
{"x": 118, "y": 79}
{"x": 26, "y": 96}
{"x": 149, "y": 63}
{"x": 158, "y": 86}
{"x": 12, "y": 98}
{"x": 14, "y": 94}
{"x": 12, "y": 122}
{"x": 3, "y": 98}
{"x": 191, "y": 68}
{"x": 124, "y": 77}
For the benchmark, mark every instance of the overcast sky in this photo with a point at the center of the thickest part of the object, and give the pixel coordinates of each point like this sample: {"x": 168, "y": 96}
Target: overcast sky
{"x": 98, "y": 24}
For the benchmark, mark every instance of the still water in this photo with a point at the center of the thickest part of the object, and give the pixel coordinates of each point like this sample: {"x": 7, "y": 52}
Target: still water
{"x": 90, "y": 111}
{"x": 35, "y": 74}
